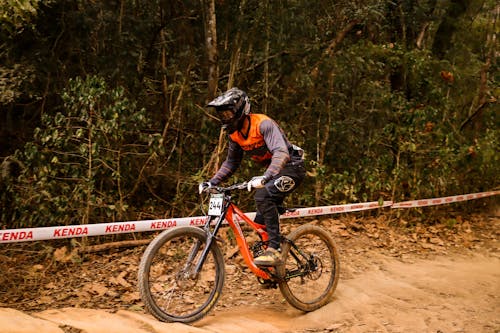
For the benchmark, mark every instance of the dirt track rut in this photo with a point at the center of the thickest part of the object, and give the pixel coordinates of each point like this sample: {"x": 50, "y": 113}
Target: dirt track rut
{"x": 459, "y": 293}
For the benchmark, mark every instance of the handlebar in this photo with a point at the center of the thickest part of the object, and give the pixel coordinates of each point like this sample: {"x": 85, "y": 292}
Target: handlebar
{"x": 220, "y": 189}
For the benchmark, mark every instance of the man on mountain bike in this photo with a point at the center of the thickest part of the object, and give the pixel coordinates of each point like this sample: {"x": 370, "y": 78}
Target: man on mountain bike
{"x": 262, "y": 138}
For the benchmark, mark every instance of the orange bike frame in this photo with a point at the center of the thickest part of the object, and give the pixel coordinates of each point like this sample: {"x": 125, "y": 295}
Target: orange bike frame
{"x": 241, "y": 241}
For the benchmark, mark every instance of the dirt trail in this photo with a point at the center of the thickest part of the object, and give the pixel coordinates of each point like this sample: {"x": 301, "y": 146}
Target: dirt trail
{"x": 444, "y": 294}
{"x": 430, "y": 280}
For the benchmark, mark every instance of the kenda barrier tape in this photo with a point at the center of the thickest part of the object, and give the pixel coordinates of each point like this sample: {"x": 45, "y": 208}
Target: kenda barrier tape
{"x": 442, "y": 201}
{"x": 99, "y": 229}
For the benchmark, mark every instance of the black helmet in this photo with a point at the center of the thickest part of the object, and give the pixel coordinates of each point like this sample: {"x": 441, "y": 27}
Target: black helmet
{"x": 236, "y": 101}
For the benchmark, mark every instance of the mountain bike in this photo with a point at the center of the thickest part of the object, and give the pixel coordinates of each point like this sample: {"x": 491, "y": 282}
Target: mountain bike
{"x": 181, "y": 272}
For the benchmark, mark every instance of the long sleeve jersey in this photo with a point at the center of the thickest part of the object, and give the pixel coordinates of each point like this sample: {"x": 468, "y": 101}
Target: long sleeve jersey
{"x": 265, "y": 142}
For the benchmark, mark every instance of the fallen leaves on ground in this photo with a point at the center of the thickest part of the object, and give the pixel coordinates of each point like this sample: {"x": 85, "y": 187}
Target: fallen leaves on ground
{"x": 36, "y": 276}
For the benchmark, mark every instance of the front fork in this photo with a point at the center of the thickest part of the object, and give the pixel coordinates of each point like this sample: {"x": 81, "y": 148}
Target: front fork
{"x": 210, "y": 239}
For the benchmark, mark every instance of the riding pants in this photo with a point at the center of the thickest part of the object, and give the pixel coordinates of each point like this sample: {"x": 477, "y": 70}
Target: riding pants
{"x": 269, "y": 199}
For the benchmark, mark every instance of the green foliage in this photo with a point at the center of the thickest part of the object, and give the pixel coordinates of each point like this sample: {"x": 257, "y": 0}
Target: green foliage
{"x": 14, "y": 83}
{"x": 17, "y": 15}
{"x": 87, "y": 161}
{"x": 354, "y": 83}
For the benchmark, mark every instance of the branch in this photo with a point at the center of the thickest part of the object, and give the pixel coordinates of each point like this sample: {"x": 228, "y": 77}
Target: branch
{"x": 421, "y": 35}
{"x": 333, "y": 45}
{"x": 476, "y": 113}
{"x": 251, "y": 68}
{"x": 340, "y": 37}
{"x": 113, "y": 245}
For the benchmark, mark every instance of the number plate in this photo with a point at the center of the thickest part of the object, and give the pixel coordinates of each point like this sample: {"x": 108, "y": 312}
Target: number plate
{"x": 215, "y": 205}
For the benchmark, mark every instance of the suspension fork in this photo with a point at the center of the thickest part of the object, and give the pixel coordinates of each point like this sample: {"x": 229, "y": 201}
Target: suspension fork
{"x": 210, "y": 239}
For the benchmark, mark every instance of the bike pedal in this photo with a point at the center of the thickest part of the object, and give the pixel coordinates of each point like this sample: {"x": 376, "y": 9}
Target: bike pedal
{"x": 270, "y": 286}
{"x": 267, "y": 284}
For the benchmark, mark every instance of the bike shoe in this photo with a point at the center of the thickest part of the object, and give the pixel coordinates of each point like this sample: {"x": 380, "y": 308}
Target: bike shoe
{"x": 270, "y": 257}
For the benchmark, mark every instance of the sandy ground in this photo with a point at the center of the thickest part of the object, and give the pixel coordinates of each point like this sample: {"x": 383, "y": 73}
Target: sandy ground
{"x": 458, "y": 293}
{"x": 446, "y": 289}
{"x": 445, "y": 294}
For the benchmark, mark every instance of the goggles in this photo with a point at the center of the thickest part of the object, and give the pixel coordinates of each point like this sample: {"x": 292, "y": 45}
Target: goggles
{"x": 226, "y": 115}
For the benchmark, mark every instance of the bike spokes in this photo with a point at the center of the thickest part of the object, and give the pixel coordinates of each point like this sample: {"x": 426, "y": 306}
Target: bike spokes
{"x": 310, "y": 271}
{"x": 171, "y": 288}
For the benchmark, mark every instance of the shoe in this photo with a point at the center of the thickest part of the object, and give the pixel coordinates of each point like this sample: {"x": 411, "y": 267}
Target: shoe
{"x": 270, "y": 257}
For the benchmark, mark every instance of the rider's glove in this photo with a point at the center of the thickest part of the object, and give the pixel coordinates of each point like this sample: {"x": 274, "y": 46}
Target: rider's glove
{"x": 203, "y": 186}
{"x": 256, "y": 182}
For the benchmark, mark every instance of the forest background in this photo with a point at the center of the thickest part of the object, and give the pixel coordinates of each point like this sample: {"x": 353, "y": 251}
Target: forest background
{"x": 102, "y": 113}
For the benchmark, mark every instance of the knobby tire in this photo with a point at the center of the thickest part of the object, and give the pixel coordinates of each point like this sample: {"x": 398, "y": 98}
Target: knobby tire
{"x": 308, "y": 289}
{"x": 168, "y": 290}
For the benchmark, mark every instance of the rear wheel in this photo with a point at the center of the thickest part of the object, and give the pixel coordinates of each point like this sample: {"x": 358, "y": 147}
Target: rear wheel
{"x": 168, "y": 286}
{"x": 310, "y": 268}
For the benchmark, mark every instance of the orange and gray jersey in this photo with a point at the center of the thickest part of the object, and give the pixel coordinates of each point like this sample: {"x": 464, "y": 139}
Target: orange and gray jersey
{"x": 265, "y": 142}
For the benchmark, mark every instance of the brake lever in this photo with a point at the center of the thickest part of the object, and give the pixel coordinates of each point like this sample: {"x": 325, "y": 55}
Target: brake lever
{"x": 242, "y": 186}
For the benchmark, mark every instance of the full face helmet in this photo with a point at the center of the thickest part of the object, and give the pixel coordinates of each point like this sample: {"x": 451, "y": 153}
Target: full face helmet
{"x": 232, "y": 107}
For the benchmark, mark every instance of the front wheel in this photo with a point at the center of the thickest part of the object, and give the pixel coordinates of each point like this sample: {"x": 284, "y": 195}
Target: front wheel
{"x": 169, "y": 286}
{"x": 310, "y": 268}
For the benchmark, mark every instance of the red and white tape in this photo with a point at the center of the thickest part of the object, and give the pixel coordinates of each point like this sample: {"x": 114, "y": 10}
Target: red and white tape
{"x": 99, "y": 229}
{"x": 325, "y": 210}
{"x": 444, "y": 200}
{"x": 336, "y": 209}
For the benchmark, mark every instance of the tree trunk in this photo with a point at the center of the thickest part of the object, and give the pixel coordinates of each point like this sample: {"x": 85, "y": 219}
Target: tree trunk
{"x": 482, "y": 100}
{"x": 448, "y": 26}
{"x": 266, "y": 64}
{"x": 211, "y": 46}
